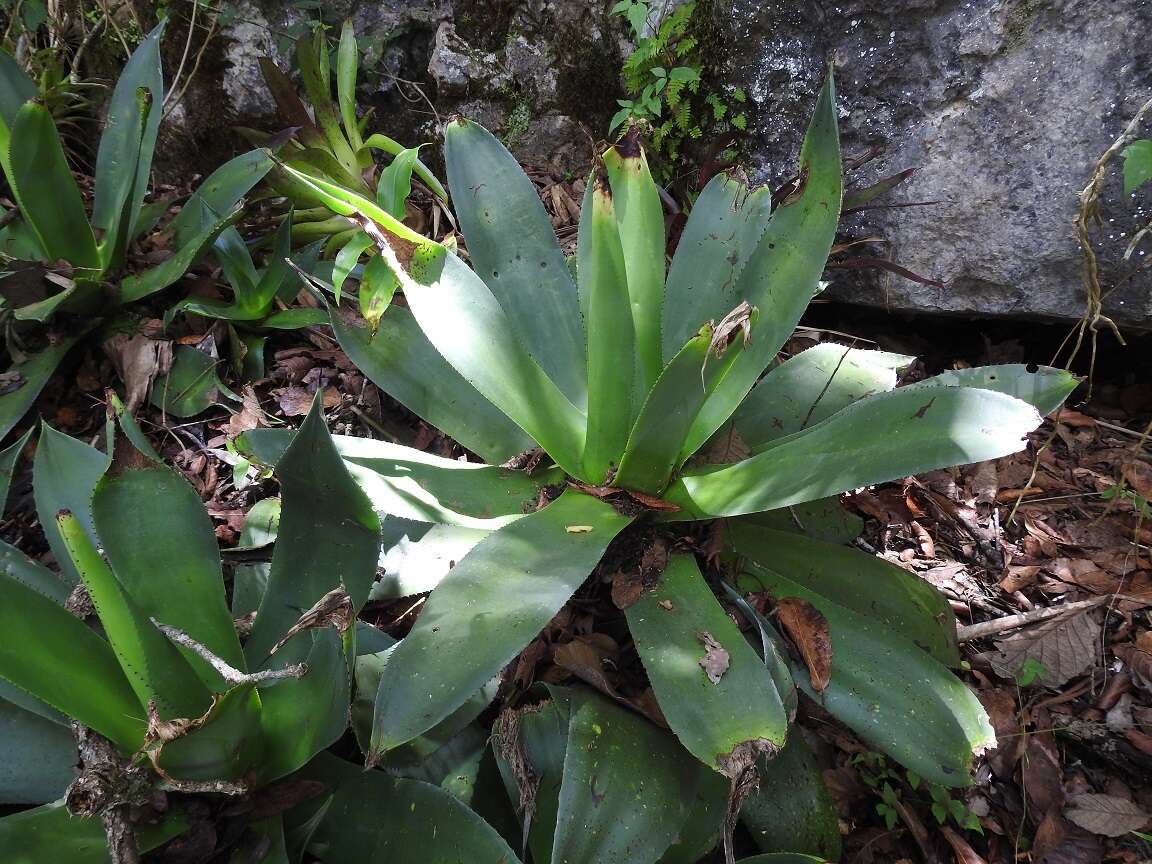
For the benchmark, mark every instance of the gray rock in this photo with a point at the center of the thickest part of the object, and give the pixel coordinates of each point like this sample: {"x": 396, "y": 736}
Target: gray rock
{"x": 1004, "y": 106}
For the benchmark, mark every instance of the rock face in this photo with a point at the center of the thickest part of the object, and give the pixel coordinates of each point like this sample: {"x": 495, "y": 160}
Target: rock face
{"x": 1003, "y": 106}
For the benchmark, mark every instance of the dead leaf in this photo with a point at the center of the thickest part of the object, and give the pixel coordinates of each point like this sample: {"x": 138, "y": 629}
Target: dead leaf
{"x": 139, "y": 360}
{"x": 726, "y": 448}
{"x": 1000, "y": 705}
{"x": 586, "y": 658}
{"x": 626, "y": 589}
{"x": 808, "y": 629}
{"x": 250, "y": 416}
{"x": 1058, "y": 842}
{"x": 334, "y": 609}
{"x": 739, "y": 320}
{"x": 715, "y": 660}
{"x": 1106, "y": 814}
{"x": 1073, "y": 418}
{"x": 1066, "y": 647}
{"x": 984, "y": 483}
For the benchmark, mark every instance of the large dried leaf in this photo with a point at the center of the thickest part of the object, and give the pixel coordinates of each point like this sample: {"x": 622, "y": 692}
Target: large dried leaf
{"x": 1106, "y": 814}
{"x": 1065, "y": 647}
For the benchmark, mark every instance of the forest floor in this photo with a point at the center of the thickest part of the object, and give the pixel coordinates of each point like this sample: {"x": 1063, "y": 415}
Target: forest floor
{"x": 1043, "y": 555}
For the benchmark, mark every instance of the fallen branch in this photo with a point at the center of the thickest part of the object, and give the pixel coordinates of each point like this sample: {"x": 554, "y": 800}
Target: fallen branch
{"x": 968, "y": 632}
{"x": 230, "y": 674}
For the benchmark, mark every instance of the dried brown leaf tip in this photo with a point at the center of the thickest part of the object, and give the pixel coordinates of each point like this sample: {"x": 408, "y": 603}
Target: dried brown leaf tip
{"x": 739, "y": 320}
{"x": 334, "y": 609}
{"x": 629, "y": 146}
{"x": 715, "y": 660}
{"x": 808, "y": 629}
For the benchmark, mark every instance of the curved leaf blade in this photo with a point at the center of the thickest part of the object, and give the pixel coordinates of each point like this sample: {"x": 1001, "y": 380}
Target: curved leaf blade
{"x": 514, "y": 250}
{"x": 489, "y": 606}
{"x": 896, "y": 434}
{"x": 725, "y": 723}
{"x": 1042, "y": 387}
{"x": 401, "y": 361}
{"x": 36, "y": 757}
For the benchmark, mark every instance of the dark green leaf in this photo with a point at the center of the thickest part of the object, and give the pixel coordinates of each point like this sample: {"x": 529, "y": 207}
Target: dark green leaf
{"x": 514, "y": 250}
{"x": 8, "y": 457}
{"x": 724, "y": 723}
{"x": 1137, "y": 165}
{"x": 219, "y": 194}
{"x": 51, "y": 833}
{"x": 34, "y": 373}
{"x": 36, "y": 757}
{"x": 190, "y": 387}
{"x": 489, "y": 607}
{"x": 162, "y": 275}
{"x": 16, "y": 565}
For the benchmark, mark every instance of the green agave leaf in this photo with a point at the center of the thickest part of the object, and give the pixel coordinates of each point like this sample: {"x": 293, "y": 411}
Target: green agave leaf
{"x": 162, "y": 275}
{"x": 774, "y": 650}
{"x": 36, "y": 757}
{"x": 863, "y": 583}
{"x": 277, "y": 275}
{"x": 34, "y": 374}
{"x": 378, "y": 141}
{"x": 79, "y": 677}
{"x": 44, "y": 309}
{"x": 401, "y": 361}
{"x": 51, "y": 833}
{"x": 263, "y": 841}
{"x": 320, "y": 499}
{"x": 619, "y": 763}
{"x": 231, "y": 252}
{"x": 373, "y": 817}
{"x": 128, "y": 426}
{"x": 723, "y": 229}
{"x": 219, "y": 194}
{"x": 1137, "y": 165}
{"x": 725, "y": 723}
{"x": 640, "y": 217}
{"x": 378, "y": 285}
{"x": 416, "y": 566}
{"x": 249, "y": 581}
{"x": 124, "y": 160}
{"x": 312, "y": 62}
{"x": 489, "y": 606}
{"x": 667, "y": 414}
{"x": 395, "y": 183}
{"x": 606, "y": 307}
{"x": 8, "y": 457}
{"x": 825, "y": 519}
{"x": 191, "y": 386}
{"x": 226, "y": 747}
{"x": 792, "y": 809}
{"x": 49, "y": 199}
{"x": 16, "y": 88}
{"x": 812, "y": 386}
{"x": 155, "y": 668}
{"x": 346, "y": 259}
{"x": 294, "y": 319}
{"x": 890, "y": 435}
{"x": 542, "y": 732}
{"x": 783, "y": 272}
{"x": 211, "y": 307}
{"x": 16, "y": 565}
{"x": 1042, "y": 387}
{"x": 513, "y": 247}
{"x": 347, "y": 61}
{"x": 64, "y": 476}
{"x": 700, "y": 832}
{"x": 412, "y": 484}
{"x": 890, "y": 692}
{"x": 162, "y": 547}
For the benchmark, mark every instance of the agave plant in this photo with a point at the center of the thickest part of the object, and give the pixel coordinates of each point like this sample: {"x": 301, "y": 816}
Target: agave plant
{"x": 609, "y": 406}
{"x": 329, "y": 142}
{"x": 82, "y": 255}
{"x": 166, "y": 679}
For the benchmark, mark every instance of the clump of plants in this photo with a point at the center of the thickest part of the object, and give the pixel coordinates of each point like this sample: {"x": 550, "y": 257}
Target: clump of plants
{"x": 635, "y": 446}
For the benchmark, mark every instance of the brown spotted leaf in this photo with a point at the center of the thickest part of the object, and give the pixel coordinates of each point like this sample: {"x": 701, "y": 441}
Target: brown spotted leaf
{"x": 808, "y": 629}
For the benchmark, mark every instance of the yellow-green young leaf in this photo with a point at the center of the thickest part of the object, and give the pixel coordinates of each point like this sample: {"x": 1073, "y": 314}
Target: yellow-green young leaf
{"x": 619, "y": 763}
{"x": 896, "y": 434}
{"x": 378, "y": 286}
{"x": 162, "y": 547}
{"x": 726, "y": 711}
{"x": 792, "y": 809}
{"x": 640, "y": 217}
{"x": 124, "y": 160}
{"x": 513, "y": 247}
{"x": 47, "y": 194}
{"x": 378, "y": 141}
{"x": 395, "y": 183}
{"x": 312, "y": 61}
{"x": 155, "y": 668}
{"x": 347, "y": 62}
{"x": 888, "y": 690}
{"x": 656, "y": 440}
{"x": 374, "y": 817}
{"x": 611, "y": 339}
{"x": 783, "y": 272}
{"x": 33, "y": 374}
{"x": 220, "y": 192}
{"x": 401, "y": 361}
{"x": 723, "y": 229}
{"x": 810, "y": 387}
{"x": 51, "y": 833}
{"x": 75, "y": 672}
{"x": 863, "y": 583}
{"x": 346, "y": 260}
{"x": 487, "y": 609}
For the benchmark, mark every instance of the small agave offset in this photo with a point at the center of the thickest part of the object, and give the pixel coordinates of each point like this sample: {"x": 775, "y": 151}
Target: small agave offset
{"x": 652, "y": 397}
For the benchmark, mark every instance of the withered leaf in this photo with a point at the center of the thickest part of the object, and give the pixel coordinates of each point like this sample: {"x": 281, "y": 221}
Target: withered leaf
{"x": 715, "y": 660}
{"x": 808, "y": 629}
{"x": 1106, "y": 814}
{"x": 1066, "y": 647}
{"x": 334, "y": 609}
